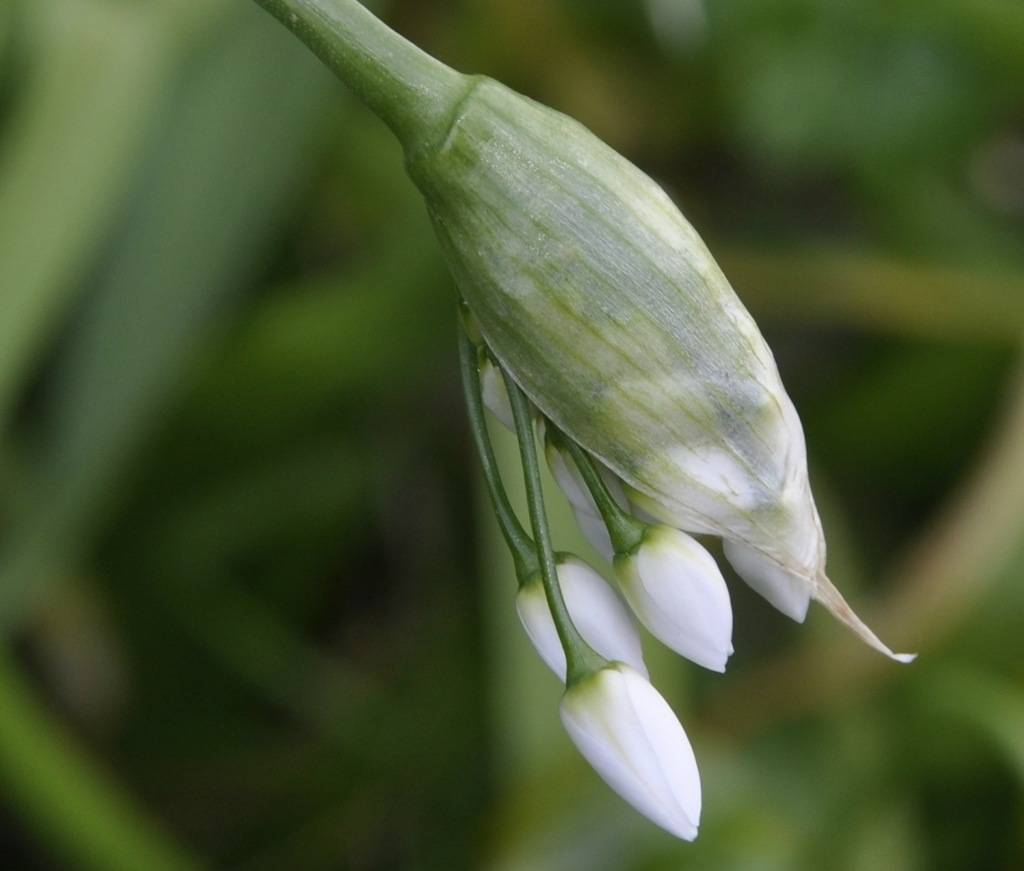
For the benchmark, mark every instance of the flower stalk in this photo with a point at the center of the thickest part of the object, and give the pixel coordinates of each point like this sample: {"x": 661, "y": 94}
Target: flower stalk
{"x": 524, "y": 554}
{"x": 581, "y": 658}
{"x": 595, "y": 610}
{"x": 413, "y": 93}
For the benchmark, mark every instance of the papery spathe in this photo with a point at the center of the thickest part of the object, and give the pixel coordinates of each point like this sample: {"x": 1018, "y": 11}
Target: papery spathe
{"x": 601, "y": 301}
{"x": 599, "y": 298}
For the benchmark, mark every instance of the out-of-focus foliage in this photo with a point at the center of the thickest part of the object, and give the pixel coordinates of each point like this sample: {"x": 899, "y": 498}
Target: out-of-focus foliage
{"x": 256, "y": 615}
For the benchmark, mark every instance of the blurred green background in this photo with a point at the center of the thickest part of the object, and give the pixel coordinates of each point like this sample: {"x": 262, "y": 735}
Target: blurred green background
{"x": 256, "y": 615}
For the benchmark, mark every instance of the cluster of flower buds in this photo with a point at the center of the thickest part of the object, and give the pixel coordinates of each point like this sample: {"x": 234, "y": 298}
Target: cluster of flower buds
{"x": 662, "y": 414}
{"x": 585, "y": 631}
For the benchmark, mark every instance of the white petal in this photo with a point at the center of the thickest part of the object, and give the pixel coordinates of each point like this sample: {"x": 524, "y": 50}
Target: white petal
{"x": 596, "y": 610}
{"x": 787, "y": 591}
{"x": 631, "y": 737}
{"x": 676, "y": 589}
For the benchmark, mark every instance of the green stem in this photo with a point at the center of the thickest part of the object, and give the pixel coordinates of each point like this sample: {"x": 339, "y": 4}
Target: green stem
{"x": 581, "y": 659}
{"x": 626, "y": 532}
{"x": 79, "y": 813}
{"x": 413, "y": 93}
{"x": 524, "y": 554}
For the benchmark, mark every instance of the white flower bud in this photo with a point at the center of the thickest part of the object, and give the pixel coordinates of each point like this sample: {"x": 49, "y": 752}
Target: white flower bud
{"x": 631, "y": 737}
{"x": 788, "y": 592}
{"x": 495, "y": 393}
{"x": 571, "y": 483}
{"x": 596, "y": 534}
{"x": 595, "y": 609}
{"x": 676, "y": 589}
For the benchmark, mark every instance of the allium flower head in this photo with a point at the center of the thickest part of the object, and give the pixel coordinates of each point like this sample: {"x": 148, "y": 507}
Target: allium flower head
{"x": 605, "y": 310}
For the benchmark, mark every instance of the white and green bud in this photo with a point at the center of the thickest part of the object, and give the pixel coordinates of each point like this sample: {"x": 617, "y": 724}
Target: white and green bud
{"x": 629, "y": 734}
{"x": 495, "y": 393}
{"x": 588, "y": 516}
{"x": 603, "y": 303}
{"x": 597, "y": 612}
{"x": 675, "y": 588}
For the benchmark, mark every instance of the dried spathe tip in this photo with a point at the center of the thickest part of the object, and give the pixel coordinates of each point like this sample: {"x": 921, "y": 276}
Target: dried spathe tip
{"x": 791, "y": 592}
{"x": 824, "y": 591}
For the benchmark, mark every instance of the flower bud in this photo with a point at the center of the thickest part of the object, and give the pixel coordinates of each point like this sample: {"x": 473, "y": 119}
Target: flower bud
{"x": 676, "y": 589}
{"x": 595, "y": 533}
{"x": 595, "y": 609}
{"x": 631, "y": 737}
{"x": 787, "y": 592}
{"x": 571, "y": 483}
{"x": 495, "y": 392}
{"x": 604, "y": 305}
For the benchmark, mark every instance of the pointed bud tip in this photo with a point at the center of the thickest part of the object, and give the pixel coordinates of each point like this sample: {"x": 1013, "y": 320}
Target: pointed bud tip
{"x": 717, "y": 662}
